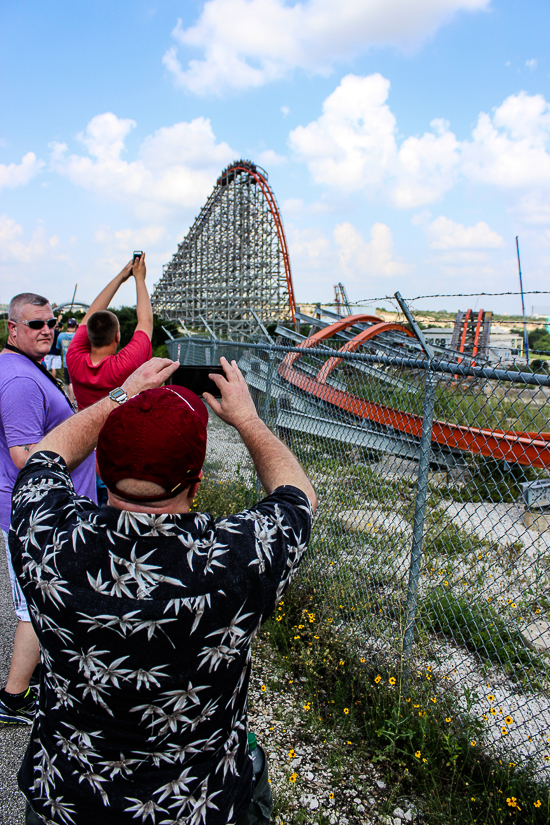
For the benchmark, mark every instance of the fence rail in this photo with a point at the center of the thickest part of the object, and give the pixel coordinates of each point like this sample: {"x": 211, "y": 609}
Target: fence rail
{"x": 432, "y": 534}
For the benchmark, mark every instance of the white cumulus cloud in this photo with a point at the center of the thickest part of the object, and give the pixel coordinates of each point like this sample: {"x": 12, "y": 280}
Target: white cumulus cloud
{"x": 307, "y": 244}
{"x": 426, "y": 167}
{"x": 511, "y": 148}
{"x": 126, "y": 239}
{"x": 353, "y": 146}
{"x": 443, "y": 233}
{"x": 269, "y": 158}
{"x": 361, "y": 259}
{"x": 19, "y": 174}
{"x": 15, "y": 248}
{"x": 175, "y": 168}
{"x": 31, "y": 259}
{"x": 533, "y": 209}
{"x": 247, "y": 43}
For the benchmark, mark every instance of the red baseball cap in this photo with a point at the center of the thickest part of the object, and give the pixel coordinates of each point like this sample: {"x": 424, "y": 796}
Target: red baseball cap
{"x": 159, "y": 436}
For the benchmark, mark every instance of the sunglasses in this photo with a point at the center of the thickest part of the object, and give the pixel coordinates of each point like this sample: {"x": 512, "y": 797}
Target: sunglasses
{"x": 51, "y": 322}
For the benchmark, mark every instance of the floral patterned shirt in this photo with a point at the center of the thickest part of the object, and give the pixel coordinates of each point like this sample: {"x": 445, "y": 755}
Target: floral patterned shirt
{"x": 145, "y": 624}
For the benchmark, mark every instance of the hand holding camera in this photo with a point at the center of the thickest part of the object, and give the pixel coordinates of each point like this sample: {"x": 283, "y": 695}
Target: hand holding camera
{"x": 138, "y": 266}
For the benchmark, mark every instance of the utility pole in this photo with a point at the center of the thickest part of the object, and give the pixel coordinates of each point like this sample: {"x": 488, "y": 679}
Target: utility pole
{"x": 525, "y": 338}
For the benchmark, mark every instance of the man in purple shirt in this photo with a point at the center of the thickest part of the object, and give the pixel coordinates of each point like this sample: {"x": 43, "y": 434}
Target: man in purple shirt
{"x": 32, "y": 403}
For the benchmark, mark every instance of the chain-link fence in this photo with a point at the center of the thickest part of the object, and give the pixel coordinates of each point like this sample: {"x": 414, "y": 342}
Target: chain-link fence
{"x": 433, "y": 527}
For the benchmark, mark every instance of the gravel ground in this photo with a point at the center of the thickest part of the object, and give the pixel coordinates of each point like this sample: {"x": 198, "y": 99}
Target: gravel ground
{"x": 225, "y": 451}
{"x": 315, "y": 774}
{"x": 13, "y": 739}
{"x": 316, "y": 777}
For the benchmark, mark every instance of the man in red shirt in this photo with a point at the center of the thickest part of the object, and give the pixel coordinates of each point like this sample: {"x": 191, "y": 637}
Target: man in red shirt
{"x": 94, "y": 365}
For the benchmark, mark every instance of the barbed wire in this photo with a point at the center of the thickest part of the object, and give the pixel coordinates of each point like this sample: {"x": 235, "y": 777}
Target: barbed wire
{"x": 450, "y": 295}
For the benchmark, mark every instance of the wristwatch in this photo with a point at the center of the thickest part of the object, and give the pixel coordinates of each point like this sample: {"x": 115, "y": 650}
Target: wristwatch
{"x": 118, "y": 395}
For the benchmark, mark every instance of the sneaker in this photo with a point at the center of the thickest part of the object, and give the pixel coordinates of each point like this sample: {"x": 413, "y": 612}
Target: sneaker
{"x": 22, "y": 715}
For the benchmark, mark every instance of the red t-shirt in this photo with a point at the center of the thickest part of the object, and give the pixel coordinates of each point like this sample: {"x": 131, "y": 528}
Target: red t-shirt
{"x": 93, "y": 382}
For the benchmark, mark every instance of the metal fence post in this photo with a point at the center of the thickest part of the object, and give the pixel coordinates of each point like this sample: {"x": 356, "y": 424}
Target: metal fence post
{"x": 419, "y": 513}
{"x": 268, "y": 387}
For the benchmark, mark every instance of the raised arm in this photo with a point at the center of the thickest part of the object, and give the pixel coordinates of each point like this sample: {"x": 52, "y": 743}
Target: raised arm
{"x": 108, "y": 293}
{"x": 76, "y": 437}
{"x": 274, "y": 462}
{"x": 143, "y": 302}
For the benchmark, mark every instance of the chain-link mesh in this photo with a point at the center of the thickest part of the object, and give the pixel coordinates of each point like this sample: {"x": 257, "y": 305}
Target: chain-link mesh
{"x": 430, "y": 538}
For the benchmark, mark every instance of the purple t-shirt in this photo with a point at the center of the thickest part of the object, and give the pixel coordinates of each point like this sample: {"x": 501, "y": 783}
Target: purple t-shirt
{"x": 31, "y": 406}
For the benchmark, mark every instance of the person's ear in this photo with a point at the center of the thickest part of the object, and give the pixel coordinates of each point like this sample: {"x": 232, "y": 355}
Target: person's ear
{"x": 117, "y": 338}
{"x": 193, "y": 490}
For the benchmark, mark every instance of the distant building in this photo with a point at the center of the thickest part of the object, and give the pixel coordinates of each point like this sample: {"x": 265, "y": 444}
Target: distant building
{"x": 504, "y": 345}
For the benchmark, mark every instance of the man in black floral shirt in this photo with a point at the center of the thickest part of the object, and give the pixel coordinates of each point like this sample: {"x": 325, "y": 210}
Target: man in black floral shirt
{"x": 145, "y": 612}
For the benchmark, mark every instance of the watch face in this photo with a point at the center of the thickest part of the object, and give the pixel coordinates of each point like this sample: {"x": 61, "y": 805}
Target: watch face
{"x": 118, "y": 394}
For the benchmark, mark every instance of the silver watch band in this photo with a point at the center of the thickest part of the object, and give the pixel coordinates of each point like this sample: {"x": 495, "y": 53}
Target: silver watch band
{"x": 118, "y": 395}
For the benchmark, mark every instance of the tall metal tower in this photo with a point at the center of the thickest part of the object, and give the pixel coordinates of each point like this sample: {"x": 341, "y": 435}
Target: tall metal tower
{"x": 233, "y": 261}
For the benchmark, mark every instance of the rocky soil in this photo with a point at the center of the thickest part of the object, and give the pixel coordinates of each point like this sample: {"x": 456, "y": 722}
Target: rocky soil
{"x": 316, "y": 776}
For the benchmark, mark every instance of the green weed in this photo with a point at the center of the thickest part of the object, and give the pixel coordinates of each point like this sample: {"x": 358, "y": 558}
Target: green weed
{"x": 222, "y": 497}
{"x": 480, "y": 628}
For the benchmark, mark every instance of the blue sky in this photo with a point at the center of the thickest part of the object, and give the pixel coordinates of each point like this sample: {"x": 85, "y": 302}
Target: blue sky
{"x": 407, "y": 143}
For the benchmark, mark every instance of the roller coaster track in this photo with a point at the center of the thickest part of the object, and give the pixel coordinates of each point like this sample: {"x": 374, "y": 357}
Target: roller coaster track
{"x": 269, "y": 195}
{"x": 231, "y": 273}
{"x": 523, "y": 448}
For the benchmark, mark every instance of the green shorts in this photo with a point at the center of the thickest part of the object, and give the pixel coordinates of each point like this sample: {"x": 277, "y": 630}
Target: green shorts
{"x": 261, "y": 806}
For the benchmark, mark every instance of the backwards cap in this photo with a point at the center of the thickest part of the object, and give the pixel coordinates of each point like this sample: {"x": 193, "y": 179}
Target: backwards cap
{"x": 159, "y": 436}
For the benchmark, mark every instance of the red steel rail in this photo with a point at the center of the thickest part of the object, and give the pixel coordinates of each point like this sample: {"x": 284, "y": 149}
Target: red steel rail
{"x": 526, "y": 449}
{"x": 480, "y": 315}
{"x": 272, "y": 203}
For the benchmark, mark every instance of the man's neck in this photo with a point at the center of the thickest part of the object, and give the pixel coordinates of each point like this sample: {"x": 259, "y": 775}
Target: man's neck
{"x": 13, "y": 343}
{"x": 168, "y": 507}
{"x": 99, "y": 354}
